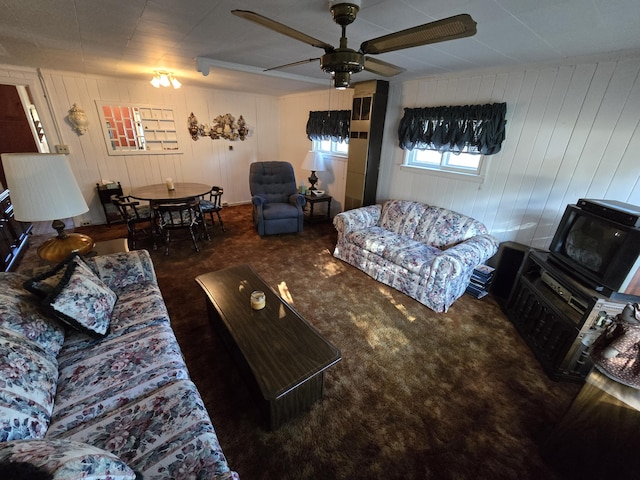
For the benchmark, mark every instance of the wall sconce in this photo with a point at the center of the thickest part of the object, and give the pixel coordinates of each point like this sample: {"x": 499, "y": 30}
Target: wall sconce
{"x": 223, "y": 126}
{"x": 78, "y": 119}
{"x": 165, "y": 79}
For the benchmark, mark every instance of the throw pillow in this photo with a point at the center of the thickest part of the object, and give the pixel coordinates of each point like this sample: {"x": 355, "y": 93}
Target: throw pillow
{"x": 78, "y": 297}
{"x": 67, "y": 459}
{"x": 43, "y": 284}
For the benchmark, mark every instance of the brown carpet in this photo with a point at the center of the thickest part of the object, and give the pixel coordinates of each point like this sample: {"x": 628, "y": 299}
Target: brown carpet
{"x": 417, "y": 394}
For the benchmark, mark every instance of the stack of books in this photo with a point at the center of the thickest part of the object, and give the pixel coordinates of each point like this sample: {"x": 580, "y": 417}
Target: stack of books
{"x": 480, "y": 281}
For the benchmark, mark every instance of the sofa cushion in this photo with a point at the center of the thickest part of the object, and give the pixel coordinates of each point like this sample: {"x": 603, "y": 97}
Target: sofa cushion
{"x": 122, "y": 270}
{"x": 67, "y": 460}
{"x": 374, "y": 239}
{"x": 104, "y": 376}
{"x": 20, "y": 312}
{"x": 275, "y": 211}
{"x": 28, "y": 376}
{"x": 137, "y": 308}
{"x": 414, "y": 256}
{"x": 445, "y": 228}
{"x": 167, "y": 434}
{"x": 435, "y": 226}
{"x": 78, "y": 297}
{"x": 97, "y": 376}
{"x": 402, "y": 217}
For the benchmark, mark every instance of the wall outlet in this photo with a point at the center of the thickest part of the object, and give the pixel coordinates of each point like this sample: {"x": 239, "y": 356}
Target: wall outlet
{"x": 62, "y": 149}
{"x": 225, "y": 204}
{"x": 86, "y": 223}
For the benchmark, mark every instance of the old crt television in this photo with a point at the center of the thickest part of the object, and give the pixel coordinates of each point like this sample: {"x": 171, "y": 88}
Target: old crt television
{"x": 598, "y": 243}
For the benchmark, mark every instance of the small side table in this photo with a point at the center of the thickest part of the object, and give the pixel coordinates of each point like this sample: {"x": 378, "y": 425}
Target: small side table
{"x": 105, "y": 247}
{"x": 312, "y": 217}
{"x": 37, "y": 266}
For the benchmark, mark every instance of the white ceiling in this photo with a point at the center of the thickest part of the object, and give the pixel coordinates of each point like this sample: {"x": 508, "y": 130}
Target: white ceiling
{"x": 132, "y": 38}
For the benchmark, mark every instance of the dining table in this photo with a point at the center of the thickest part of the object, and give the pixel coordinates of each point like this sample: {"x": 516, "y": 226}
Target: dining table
{"x": 159, "y": 192}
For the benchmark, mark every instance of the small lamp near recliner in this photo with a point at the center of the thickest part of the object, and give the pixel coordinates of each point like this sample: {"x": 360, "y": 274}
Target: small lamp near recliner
{"x": 314, "y": 161}
{"x": 43, "y": 188}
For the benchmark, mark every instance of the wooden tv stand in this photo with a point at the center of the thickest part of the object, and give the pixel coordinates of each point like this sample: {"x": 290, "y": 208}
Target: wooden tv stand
{"x": 557, "y": 316}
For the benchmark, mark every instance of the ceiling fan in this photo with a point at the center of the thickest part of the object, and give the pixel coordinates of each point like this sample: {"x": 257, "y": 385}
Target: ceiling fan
{"x": 343, "y": 61}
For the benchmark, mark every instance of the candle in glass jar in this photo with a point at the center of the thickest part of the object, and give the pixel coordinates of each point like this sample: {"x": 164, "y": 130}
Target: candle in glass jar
{"x": 258, "y": 300}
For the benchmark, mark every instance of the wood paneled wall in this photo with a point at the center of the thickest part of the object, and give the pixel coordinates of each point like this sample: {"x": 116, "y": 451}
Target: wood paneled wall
{"x": 573, "y": 131}
{"x": 294, "y": 144}
{"x": 204, "y": 160}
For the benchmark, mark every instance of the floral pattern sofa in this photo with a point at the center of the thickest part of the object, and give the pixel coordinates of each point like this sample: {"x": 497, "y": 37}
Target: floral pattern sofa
{"x": 105, "y": 402}
{"x": 424, "y": 251}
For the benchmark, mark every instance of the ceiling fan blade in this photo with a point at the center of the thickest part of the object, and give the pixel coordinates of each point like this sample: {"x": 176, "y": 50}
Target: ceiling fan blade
{"x": 282, "y": 28}
{"x": 458, "y": 26}
{"x": 379, "y": 67}
{"x": 292, "y": 64}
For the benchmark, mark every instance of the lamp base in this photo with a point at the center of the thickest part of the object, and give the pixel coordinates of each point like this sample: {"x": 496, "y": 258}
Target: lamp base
{"x": 313, "y": 179}
{"x": 58, "y": 248}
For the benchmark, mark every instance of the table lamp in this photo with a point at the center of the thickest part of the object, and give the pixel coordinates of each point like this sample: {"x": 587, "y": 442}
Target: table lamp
{"x": 314, "y": 161}
{"x": 42, "y": 187}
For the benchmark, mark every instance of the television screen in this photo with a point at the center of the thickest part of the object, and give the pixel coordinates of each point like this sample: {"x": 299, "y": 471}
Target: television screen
{"x": 593, "y": 243}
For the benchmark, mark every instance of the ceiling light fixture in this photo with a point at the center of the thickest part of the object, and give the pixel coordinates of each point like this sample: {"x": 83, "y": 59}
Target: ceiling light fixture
{"x": 165, "y": 79}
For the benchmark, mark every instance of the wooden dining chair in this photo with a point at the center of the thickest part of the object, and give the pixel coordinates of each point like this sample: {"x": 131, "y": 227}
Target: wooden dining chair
{"x": 212, "y": 203}
{"x": 177, "y": 216}
{"x": 135, "y": 215}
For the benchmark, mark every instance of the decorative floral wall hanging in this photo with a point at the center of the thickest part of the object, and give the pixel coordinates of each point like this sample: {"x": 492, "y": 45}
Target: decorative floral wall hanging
{"x": 223, "y": 126}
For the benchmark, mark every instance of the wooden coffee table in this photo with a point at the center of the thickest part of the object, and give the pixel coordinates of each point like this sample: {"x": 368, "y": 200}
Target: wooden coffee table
{"x": 283, "y": 355}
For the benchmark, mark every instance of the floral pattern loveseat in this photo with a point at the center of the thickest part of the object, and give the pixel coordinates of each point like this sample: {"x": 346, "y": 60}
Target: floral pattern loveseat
{"x": 110, "y": 401}
{"x": 424, "y": 251}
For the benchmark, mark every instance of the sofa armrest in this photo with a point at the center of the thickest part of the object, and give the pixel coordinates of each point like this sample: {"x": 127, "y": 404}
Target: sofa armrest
{"x": 357, "y": 219}
{"x": 258, "y": 200}
{"x": 297, "y": 200}
{"x": 467, "y": 255}
{"x": 118, "y": 270}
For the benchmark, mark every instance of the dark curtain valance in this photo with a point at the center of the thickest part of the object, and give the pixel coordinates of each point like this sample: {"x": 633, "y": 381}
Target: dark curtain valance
{"x": 480, "y": 127}
{"x": 329, "y": 125}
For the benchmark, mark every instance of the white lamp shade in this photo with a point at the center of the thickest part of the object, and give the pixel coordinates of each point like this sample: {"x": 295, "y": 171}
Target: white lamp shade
{"x": 42, "y": 187}
{"x": 314, "y": 161}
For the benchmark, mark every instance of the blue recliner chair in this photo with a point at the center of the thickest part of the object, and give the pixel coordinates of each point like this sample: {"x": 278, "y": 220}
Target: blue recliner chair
{"x": 277, "y": 207}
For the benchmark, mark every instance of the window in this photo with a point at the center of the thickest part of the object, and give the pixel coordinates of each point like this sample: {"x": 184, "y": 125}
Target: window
{"x": 330, "y": 147}
{"x": 124, "y": 127}
{"x": 462, "y": 164}
{"x": 138, "y": 129}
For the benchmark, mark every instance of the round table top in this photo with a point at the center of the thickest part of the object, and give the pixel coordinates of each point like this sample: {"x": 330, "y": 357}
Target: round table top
{"x": 160, "y": 193}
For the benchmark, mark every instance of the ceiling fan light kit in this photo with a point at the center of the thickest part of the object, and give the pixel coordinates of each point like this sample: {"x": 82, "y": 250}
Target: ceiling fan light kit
{"x": 341, "y": 80}
{"x": 343, "y": 61}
